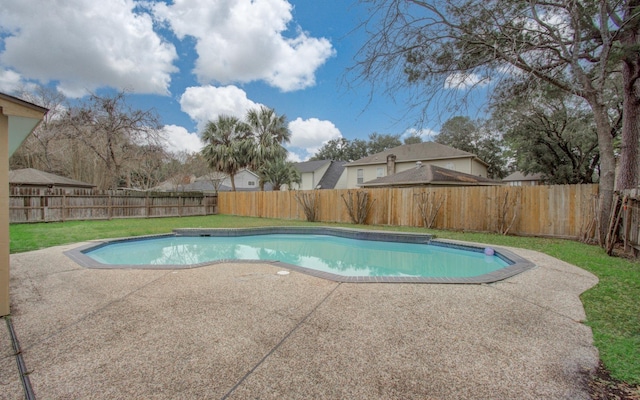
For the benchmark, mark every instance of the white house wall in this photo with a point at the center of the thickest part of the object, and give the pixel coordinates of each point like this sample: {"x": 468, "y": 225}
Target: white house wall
{"x": 342, "y": 182}
{"x": 244, "y": 180}
{"x": 310, "y": 180}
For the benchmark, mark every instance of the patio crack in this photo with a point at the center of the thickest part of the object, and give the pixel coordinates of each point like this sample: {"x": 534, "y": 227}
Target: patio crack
{"x": 541, "y": 306}
{"x": 95, "y": 312}
{"x": 284, "y": 339}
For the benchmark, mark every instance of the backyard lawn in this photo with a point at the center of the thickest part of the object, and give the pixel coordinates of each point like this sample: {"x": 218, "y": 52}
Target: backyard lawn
{"x": 612, "y": 306}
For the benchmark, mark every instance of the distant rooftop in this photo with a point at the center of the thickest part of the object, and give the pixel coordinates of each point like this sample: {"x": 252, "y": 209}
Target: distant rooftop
{"x": 416, "y": 152}
{"x": 310, "y": 166}
{"x": 332, "y": 175}
{"x": 35, "y": 177}
{"x": 520, "y": 176}
{"x": 430, "y": 175}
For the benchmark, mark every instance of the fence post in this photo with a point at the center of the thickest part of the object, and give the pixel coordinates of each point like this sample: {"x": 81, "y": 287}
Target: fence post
{"x": 109, "y": 206}
{"x": 26, "y": 202}
{"x": 64, "y": 205}
{"x": 43, "y": 206}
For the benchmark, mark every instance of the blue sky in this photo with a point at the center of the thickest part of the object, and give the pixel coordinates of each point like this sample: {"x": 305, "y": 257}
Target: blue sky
{"x": 192, "y": 60}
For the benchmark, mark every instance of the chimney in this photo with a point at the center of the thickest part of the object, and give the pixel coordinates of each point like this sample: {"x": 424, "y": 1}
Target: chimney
{"x": 391, "y": 164}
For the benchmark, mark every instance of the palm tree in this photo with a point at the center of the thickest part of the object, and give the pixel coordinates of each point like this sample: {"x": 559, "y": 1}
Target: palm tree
{"x": 270, "y": 131}
{"x": 279, "y": 172}
{"x": 228, "y": 145}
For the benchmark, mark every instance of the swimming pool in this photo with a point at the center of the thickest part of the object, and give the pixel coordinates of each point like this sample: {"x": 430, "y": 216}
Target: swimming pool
{"x": 339, "y": 254}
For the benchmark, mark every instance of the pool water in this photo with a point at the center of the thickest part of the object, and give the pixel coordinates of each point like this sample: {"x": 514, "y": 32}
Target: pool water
{"x": 326, "y": 253}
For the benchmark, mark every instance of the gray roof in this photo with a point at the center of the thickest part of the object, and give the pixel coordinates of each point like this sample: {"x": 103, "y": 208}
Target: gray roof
{"x": 520, "y": 176}
{"x": 310, "y": 166}
{"x": 207, "y": 186}
{"x": 424, "y": 151}
{"x": 333, "y": 174}
{"x": 430, "y": 175}
{"x": 34, "y": 177}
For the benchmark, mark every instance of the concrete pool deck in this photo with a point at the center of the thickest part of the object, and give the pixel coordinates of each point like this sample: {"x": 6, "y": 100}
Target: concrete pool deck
{"x": 241, "y": 331}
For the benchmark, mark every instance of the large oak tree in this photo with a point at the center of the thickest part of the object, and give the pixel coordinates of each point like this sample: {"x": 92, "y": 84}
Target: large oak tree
{"x": 574, "y": 45}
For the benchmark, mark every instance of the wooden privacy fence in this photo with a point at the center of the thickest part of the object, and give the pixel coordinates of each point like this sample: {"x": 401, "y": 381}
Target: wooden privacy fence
{"x": 46, "y": 205}
{"x": 559, "y": 211}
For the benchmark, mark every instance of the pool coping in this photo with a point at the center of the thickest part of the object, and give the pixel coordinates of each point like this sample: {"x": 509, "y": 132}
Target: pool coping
{"x": 517, "y": 264}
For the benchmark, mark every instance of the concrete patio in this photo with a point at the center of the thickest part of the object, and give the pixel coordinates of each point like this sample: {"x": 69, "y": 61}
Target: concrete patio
{"x": 242, "y": 331}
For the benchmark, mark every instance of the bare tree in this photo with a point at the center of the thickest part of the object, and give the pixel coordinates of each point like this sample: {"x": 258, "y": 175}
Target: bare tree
{"x": 358, "y": 205}
{"x": 507, "y": 210}
{"x": 429, "y": 205}
{"x": 146, "y": 172}
{"x": 112, "y": 131}
{"x": 196, "y": 165}
{"x": 576, "y": 46}
{"x": 309, "y": 201}
{"x": 215, "y": 178}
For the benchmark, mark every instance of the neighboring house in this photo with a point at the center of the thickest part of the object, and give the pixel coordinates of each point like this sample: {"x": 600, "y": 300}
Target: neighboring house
{"x": 245, "y": 180}
{"x": 175, "y": 183}
{"x": 521, "y": 179}
{"x": 429, "y": 174}
{"x": 33, "y": 178}
{"x": 322, "y": 174}
{"x": 405, "y": 157}
{"x": 205, "y": 185}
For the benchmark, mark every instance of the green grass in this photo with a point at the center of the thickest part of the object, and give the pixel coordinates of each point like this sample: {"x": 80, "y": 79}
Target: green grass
{"x": 612, "y": 306}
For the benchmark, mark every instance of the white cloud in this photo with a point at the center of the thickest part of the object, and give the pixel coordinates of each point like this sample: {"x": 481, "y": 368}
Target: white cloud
{"x": 206, "y": 103}
{"x": 10, "y": 81}
{"x": 425, "y": 133}
{"x": 84, "y": 45}
{"x": 177, "y": 139}
{"x": 294, "y": 157}
{"x": 244, "y": 41}
{"x": 460, "y": 80}
{"x": 308, "y": 136}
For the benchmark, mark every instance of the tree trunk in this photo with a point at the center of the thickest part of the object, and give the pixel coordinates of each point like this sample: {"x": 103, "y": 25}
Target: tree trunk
{"x": 607, "y": 167}
{"x": 628, "y": 166}
{"x": 232, "y": 178}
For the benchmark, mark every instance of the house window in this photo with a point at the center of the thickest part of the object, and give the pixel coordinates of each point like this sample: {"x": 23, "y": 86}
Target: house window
{"x": 251, "y": 183}
{"x": 360, "y": 175}
{"x": 379, "y": 172}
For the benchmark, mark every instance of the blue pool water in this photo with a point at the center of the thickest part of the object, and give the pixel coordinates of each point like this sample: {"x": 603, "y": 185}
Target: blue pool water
{"x": 332, "y": 254}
